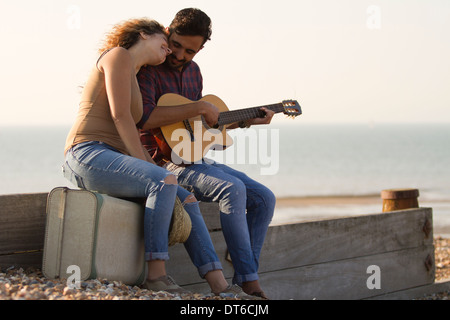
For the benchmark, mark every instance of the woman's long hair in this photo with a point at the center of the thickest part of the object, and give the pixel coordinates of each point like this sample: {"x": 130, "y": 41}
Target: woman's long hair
{"x": 127, "y": 33}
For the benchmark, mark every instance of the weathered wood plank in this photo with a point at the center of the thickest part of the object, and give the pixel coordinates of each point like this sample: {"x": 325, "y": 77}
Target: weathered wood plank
{"x": 210, "y": 212}
{"x": 347, "y": 279}
{"x": 22, "y": 260}
{"x": 335, "y": 239}
{"x": 307, "y": 243}
{"x": 415, "y": 292}
{"x": 22, "y": 222}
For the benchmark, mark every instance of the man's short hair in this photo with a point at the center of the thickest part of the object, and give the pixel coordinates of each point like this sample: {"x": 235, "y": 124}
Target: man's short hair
{"x": 192, "y": 22}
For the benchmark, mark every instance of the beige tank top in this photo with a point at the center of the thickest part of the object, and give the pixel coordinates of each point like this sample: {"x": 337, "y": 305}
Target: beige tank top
{"x": 94, "y": 121}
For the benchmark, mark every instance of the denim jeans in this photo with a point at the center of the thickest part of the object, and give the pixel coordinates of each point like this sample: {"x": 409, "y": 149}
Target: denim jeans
{"x": 246, "y": 210}
{"x": 98, "y": 167}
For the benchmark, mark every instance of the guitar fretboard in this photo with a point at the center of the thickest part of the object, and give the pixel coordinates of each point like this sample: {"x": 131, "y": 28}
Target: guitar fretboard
{"x": 228, "y": 117}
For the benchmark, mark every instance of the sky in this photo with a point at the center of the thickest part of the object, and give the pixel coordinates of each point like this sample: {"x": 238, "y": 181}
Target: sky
{"x": 344, "y": 61}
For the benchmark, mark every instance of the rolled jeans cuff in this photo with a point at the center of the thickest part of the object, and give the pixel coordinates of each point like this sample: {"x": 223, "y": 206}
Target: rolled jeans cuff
{"x": 239, "y": 279}
{"x": 149, "y": 256}
{"x": 211, "y": 266}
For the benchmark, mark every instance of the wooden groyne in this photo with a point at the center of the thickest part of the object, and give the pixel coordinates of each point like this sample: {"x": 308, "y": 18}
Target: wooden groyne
{"x": 378, "y": 256}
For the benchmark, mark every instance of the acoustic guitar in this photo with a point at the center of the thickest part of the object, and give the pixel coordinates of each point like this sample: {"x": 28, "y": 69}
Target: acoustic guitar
{"x": 188, "y": 141}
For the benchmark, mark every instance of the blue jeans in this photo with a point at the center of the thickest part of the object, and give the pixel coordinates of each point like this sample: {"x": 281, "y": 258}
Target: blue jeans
{"x": 98, "y": 167}
{"x": 246, "y": 210}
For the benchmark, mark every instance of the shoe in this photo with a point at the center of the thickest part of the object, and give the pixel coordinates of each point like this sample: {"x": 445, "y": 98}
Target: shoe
{"x": 260, "y": 295}
{"x": 164, "y": 283}
{"x": 234, "y": 291}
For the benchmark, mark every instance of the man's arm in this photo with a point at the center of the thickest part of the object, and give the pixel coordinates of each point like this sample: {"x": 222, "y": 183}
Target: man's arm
{"x": 162, "y": 116}
{"x": 155, "y": 117}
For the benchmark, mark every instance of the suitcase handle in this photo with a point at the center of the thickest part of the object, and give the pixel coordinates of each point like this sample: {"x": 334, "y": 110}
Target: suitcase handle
{"x": 62, "y": 209}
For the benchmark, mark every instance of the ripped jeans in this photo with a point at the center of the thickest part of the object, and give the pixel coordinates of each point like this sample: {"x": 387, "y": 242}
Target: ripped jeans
{"x": 246, "y": 210}
{"x": 98, "y": 167}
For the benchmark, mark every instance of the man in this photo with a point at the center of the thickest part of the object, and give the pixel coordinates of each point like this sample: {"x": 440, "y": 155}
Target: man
{"x": 246, "y": 206}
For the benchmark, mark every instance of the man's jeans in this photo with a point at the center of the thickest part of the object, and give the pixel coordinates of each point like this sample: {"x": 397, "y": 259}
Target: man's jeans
{"x": 246, "y": 210}
{"x": 98, "y": 167}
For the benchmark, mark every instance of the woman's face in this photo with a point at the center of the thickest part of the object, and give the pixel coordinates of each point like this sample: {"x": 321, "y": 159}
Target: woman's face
{"x": 158, "y": 48}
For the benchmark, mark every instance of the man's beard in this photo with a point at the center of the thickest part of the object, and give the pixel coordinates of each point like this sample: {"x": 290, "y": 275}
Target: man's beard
{"x": 174, "y": 62}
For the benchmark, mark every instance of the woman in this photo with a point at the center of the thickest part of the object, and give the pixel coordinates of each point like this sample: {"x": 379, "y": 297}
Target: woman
{"x": 104, "y": 153}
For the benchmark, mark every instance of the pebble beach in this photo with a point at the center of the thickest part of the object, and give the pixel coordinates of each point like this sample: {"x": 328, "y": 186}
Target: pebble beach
{"x": 20, "y": 284}
{"x": 30, "y": 284}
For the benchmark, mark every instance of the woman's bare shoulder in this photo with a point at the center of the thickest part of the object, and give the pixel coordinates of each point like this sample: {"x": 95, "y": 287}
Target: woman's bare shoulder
{"x": 114, "y": 57}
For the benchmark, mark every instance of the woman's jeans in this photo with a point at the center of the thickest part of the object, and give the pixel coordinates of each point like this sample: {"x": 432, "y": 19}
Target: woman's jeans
{"x": 98, "y": 167}
{"x": 246, "y": 210}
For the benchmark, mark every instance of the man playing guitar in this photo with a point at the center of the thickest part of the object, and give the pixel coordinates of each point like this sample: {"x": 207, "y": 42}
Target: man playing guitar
{"x": 246, "y": 206}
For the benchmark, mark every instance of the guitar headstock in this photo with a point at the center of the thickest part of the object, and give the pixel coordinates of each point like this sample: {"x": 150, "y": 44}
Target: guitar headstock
{"x": 291, "y": 108}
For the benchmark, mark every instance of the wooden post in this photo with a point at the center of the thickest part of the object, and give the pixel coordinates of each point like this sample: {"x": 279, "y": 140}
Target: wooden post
{"x": 399, "y": 199}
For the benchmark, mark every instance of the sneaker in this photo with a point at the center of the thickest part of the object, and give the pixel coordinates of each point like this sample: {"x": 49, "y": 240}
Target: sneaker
{"x": 164, "y": 283}
{"x": 235, "y": 291}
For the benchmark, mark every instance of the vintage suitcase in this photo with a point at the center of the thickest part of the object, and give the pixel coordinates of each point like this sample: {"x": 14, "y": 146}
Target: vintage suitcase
{"x": 101, "y": 235}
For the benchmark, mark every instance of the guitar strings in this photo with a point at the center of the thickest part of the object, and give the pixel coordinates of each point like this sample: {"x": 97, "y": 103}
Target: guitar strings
{"x": 233, "y": 116}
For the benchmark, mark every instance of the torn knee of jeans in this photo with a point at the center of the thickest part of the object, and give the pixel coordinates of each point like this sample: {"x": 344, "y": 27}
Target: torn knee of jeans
{"x": 190, "y": 199}
{"x": 170, "y": 179}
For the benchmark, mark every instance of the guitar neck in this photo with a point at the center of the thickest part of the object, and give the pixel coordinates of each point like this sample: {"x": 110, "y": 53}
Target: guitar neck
{"x": 228, "y": 117}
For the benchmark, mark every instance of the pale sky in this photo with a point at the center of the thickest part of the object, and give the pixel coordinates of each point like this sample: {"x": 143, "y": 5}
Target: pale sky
{"x": 345, "y": 61}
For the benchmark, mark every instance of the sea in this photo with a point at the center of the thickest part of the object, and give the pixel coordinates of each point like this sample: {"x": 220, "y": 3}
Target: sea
{"x": 294, "y": 160}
